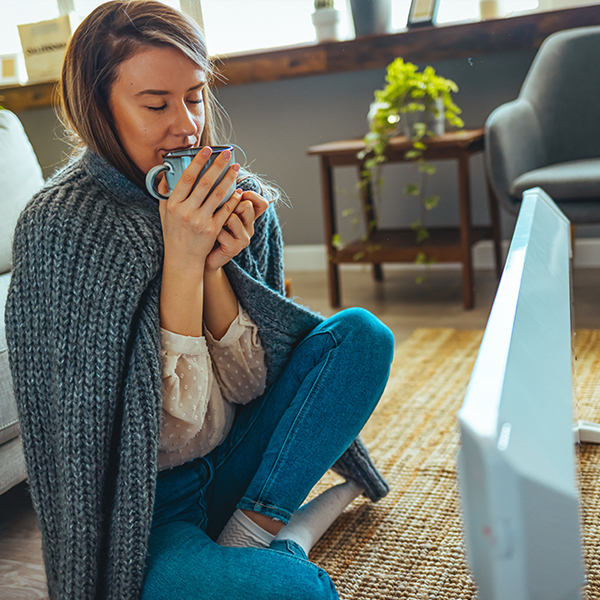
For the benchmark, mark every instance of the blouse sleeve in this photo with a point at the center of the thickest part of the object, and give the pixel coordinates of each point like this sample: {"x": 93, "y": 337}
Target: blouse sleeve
{"x": 239, "y": 360}
{"x": 187, "y": 379}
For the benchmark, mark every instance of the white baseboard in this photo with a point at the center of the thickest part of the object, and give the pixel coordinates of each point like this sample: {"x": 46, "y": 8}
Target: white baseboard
{"x": 312, "y": 257}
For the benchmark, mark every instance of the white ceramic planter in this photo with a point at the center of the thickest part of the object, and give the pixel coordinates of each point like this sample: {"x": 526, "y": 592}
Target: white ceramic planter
{"x": 326, "y": 22}
{"x": 435, "y": 120}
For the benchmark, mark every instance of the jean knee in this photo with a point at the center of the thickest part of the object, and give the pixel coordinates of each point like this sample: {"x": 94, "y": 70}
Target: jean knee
{"x": 315, "y": 582}
{"x": 372, "y": 337}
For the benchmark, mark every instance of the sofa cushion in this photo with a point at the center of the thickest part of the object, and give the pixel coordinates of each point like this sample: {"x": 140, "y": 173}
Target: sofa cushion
{"x": 573, "y": 181}
{"x": 20, "y": 178}
{"x": 9, "y": 424}
{"x": 12, "y": 465}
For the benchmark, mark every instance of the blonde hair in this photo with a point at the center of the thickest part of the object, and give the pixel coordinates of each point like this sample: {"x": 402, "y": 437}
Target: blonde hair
{"x": 110, "y": 35}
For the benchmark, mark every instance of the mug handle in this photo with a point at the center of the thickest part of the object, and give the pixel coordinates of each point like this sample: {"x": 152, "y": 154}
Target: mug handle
{"x": 151, "y": 177}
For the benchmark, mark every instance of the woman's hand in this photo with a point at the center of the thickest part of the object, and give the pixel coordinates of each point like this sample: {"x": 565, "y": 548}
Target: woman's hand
{"x": 237, "y": 231}
{"x": 190, "y": 224}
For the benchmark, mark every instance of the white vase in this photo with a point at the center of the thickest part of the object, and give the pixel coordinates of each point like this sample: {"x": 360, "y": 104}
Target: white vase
{"x": 435, "y": 120}
{"x": 326, "y": 22}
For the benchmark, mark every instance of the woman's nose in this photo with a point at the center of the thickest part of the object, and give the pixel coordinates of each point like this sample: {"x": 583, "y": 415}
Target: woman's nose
{"x": 184, "y": 123}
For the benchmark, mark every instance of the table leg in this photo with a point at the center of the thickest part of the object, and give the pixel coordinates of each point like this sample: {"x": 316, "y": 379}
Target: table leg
{"x": 464, "y": 200}
{"x": 330, "y": 230}
{"x": 368, "y": 207}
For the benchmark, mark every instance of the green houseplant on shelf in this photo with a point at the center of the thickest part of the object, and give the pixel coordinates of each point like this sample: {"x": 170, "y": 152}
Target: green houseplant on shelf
{"x": 416, "y": 104}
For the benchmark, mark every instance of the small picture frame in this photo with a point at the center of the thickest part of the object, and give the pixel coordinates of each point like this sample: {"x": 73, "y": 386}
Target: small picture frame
{"x": 9, "y": 69}
{"x": 422, "y": 13}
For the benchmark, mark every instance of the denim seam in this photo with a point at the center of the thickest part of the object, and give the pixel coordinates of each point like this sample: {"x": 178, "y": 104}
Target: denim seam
{"x": 318, "y": 333}
{"x": 274, "y": 512}
{"x": 283, "y": 451}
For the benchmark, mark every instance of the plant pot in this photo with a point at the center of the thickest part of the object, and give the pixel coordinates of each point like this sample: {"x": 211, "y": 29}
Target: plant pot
{"x": 326, "y": 21}
{"x": 371, "y": 16}
{"x": 435, "y": 120}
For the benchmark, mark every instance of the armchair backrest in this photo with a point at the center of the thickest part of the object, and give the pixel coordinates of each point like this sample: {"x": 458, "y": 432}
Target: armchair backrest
{"x": 563, "y": 86}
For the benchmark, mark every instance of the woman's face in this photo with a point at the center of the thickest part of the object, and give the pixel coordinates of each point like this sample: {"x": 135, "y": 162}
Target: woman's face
{"x": 157, "y": 104}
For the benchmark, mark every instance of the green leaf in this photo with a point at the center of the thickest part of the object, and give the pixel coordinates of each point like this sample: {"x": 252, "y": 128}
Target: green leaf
{"x": 412, "y": 154}
{"x": 422, "y": 235}
{"x": 336, "y": 241}
{"x": 347, "y": 212}
{"x": 412, "y": 189}
{"x": 420, "y": 146}
{"x": 431, "y": 202}
{"x": 420, "y": 258}
{"x": 415, "y": 225}
{"x": 358, "y": 256}
{"x": 427, "y": 168}
{"x": 420, "y": 129}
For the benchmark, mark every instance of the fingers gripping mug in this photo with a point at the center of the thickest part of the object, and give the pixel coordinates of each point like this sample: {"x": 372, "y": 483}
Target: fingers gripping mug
{"x": 176, "y": 162}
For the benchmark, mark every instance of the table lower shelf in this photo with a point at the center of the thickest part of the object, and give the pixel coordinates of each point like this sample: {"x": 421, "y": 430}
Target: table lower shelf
{"x": 399, "y": 245}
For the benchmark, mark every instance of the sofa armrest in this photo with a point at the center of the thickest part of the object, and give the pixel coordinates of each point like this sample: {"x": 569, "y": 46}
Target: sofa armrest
{"x": 513, "y": 145}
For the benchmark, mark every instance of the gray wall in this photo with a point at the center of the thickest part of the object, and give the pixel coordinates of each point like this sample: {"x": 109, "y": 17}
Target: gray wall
{"x": 275, "y": 122}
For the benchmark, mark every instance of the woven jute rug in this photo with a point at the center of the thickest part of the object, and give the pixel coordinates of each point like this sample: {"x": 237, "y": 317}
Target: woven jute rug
{"x": 409, "y": 545}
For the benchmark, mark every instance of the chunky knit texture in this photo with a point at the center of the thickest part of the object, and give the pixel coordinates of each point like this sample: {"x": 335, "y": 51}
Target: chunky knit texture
{"x": 83, "y": 331}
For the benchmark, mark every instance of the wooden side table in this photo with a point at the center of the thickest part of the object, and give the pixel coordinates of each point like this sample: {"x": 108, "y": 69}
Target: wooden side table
{"x": 445, "y": 244}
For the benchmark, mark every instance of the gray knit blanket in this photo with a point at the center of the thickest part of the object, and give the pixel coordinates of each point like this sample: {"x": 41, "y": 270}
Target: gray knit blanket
{"x": 82, "y": 326}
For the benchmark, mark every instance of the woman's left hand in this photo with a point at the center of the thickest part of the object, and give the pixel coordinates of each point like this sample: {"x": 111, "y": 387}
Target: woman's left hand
{"x": 237, "y": 231}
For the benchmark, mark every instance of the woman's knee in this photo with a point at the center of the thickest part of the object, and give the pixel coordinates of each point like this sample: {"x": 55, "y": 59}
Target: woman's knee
{"x": 373, "y": 338}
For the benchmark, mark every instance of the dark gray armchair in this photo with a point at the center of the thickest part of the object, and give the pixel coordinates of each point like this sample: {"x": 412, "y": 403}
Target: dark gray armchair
{"x": 550, "y": 136}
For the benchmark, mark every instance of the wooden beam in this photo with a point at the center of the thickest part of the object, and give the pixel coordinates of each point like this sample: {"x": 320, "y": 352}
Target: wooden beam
{"x": 422, "y": 45}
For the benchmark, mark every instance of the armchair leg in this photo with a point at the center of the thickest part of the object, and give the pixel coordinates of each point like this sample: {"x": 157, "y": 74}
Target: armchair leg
{"x": 377, "y": 272}
{"x": 495, "y": 223}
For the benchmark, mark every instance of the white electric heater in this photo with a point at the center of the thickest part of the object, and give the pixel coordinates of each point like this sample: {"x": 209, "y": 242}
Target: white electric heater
{"x": 517, "y": 464}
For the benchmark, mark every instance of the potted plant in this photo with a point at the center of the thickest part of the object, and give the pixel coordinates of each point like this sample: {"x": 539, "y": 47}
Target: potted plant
{"x": 417, "y": 103}
{"x": 326, "y": 20}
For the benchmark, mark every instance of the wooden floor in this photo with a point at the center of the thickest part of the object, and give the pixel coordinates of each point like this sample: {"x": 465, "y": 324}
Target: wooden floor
{"x": 399, "y": 301}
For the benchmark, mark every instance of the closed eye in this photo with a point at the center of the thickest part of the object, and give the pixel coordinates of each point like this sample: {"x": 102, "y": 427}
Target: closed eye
{"x": 157, "y": 107}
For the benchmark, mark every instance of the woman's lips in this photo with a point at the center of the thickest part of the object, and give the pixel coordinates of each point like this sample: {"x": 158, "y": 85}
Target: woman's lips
{"x": 164, "y": 151}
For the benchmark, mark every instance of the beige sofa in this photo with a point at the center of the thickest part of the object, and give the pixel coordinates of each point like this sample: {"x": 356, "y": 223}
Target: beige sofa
{"x": 20, "y": 178}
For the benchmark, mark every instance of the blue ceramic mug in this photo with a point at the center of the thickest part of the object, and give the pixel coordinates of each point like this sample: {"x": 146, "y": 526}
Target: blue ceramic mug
{"x": 177, "y": 161}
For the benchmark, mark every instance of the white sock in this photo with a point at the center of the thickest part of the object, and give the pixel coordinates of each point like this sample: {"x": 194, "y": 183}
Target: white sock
{"x": 310, "y": 522}
{"x": 242, "y": 532}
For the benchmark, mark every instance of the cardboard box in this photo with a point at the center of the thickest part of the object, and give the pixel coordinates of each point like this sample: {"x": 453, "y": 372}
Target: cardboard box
{"x": 44, "y": 45}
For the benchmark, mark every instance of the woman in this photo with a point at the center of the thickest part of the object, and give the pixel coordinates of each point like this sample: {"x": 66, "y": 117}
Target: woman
{"x": 176, "y": 408}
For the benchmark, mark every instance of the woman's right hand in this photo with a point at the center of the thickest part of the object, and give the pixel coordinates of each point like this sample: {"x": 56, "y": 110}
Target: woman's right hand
{"x": 189, "y": 222}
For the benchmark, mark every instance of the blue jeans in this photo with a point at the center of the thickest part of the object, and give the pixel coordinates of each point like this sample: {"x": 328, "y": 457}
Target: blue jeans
{"x": 279, "y": 447}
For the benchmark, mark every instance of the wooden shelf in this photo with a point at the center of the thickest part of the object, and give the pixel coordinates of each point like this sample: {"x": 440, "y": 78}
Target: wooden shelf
{"x": 422, "y": 45}
{"x": 343, "y": 153}
{"x": 399, "y": 245}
